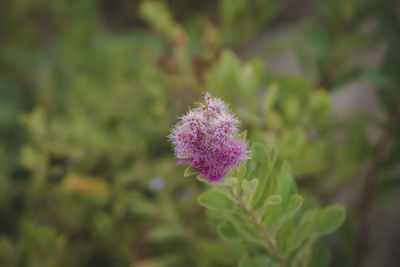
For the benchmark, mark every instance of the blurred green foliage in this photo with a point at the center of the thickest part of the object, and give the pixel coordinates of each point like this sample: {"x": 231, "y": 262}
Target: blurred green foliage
{"x": 87, "y": 176}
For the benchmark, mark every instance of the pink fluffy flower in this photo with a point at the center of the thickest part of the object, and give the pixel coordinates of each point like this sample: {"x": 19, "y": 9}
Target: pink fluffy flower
{"x": 206, "y": 138}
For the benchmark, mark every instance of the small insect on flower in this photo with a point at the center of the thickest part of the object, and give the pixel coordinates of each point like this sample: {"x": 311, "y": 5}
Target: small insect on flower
{"x": 207, "y": 139}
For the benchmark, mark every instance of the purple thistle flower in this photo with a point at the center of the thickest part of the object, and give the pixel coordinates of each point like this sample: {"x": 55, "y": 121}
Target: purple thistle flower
{"x": 206, "y": 138}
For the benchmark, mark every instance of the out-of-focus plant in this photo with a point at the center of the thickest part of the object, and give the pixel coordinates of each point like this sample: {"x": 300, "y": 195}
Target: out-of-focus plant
{"x": 348, "y": 45}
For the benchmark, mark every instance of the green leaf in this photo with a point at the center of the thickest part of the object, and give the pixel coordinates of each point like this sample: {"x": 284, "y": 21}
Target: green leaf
{"x": 262, "y": 167}
{"x": 318, "y": 222}
{"x": 225, "y": 190}
{"x": 258, "y": 164}
{"x": 249, "y": 76}
{"x": 329, "y": 219}
{"x": 272, "y": 216}
{"x": 275, "y": 216}
{"x": 302, "y": 255}
{"x": 202, "y": 179}
{"x": 293, "y": 141}
{"x": 291, "y": 108}
{"x": 189, "y": 171}
{"x": 270, "y": 98}
{"x": 245, "y": 229}
{"x": 227, "y": 231}
{"x": 285, "y": 184}
{"x": 271, "y": 200}
{"x": 243, "y": 135}
{"x": 272, "y": 156}
{"x": 241, "y": 171}
{"x": 320, "y": 104}
{"x": 216, "y": 200}
{"x": 255, "y": 261}
{"x": 284, "y": 235}
{"x": 159, "y": 16}
{"x": 226, "y": 73}
{"x": 228, "y": 181}
{"x": 294, "y": 205}
{"x": 249, "y": 188}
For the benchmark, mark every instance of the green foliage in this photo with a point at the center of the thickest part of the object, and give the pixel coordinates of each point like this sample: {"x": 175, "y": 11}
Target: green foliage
{"x": 276, "y": 224}
{"x": 90, "y": 89}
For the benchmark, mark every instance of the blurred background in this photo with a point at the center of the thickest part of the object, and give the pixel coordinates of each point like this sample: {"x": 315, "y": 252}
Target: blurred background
{"x": 89, "y": 90}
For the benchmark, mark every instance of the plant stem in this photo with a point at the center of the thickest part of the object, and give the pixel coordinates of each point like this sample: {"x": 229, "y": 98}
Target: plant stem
{"x": 271, "y": 244}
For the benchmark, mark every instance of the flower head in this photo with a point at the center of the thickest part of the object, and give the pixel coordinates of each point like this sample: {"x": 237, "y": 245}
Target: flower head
{"x": 206, "y": 138}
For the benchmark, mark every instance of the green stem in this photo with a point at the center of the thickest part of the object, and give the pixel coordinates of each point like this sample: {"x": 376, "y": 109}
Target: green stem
{"x": 271, "y": 244}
